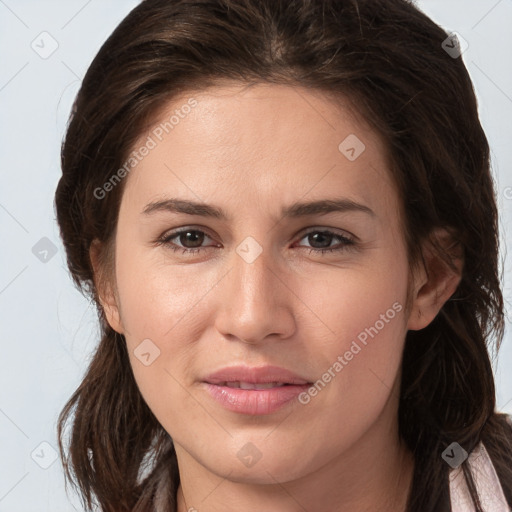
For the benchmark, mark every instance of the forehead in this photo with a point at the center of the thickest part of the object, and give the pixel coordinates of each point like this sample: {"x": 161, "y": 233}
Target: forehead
{"x": 278, "y": 117}
{"x": 261, "y": 142}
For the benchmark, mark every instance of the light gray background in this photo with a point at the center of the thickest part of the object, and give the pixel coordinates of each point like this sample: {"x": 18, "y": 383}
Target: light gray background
{"x": 48, "y": 328}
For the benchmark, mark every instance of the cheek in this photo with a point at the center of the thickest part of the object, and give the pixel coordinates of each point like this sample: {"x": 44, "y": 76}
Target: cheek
{"x": 361, "y": 304}
{"x": 359, "y": 360}
{"x": 157, "y": 297}
{"x": 163, "y": 315}
{"x": 358, "y": 366}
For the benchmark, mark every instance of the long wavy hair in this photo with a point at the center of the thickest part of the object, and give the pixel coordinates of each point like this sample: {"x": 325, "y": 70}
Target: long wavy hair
{"x": 387, "y": 58}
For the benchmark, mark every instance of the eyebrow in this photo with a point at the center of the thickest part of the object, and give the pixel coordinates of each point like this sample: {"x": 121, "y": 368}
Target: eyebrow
{"x": 295, "y": 210}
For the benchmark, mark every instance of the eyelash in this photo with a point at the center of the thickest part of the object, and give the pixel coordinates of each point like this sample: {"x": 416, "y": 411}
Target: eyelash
{"x": 165, "y": 239}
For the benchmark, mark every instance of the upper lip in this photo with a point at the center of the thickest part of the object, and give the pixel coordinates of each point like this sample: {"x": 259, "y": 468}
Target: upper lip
{"x": 255, "y": 375}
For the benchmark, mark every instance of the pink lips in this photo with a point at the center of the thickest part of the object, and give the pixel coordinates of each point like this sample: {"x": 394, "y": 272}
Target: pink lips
{"x": 255, "y": 391}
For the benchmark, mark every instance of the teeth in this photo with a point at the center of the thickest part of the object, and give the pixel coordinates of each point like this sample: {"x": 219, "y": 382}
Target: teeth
{"x": 250, "y": 385}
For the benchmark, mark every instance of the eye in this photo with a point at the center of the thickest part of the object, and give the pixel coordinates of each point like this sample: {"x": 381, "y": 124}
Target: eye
{"x": 191, "y": 240}
{"x": 324, "y": 238}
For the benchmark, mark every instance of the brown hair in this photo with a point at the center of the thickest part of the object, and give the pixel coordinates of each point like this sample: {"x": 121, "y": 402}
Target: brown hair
{"x": 387, "y": 58}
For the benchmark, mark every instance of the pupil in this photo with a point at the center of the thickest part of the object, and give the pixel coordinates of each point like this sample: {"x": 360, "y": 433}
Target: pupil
{"x": 196, "y": 238}
{"x": 327, "y": 238}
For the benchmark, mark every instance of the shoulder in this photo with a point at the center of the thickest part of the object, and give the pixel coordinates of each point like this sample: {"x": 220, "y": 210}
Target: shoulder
{"x": 486, "y": 481}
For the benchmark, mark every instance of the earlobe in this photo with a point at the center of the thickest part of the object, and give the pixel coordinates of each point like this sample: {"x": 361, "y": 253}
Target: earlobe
{"x": 436, "y": 281}
{"x": 103, "y": 281}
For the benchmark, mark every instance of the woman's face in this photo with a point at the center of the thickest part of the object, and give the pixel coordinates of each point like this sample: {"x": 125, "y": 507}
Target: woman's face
{"x": 282, "y": 173}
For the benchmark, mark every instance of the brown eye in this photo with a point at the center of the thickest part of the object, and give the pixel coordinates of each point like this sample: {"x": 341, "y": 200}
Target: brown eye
{"x": 186, "y": 240}
{"x": 321, "y": 240}
{"x": 194, "y": 238}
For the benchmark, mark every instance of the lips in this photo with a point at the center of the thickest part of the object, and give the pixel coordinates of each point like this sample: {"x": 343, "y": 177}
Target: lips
{"x": 255, "y": 375}
{"x": 254, "y": 391}
{"x": 252, "y": 385}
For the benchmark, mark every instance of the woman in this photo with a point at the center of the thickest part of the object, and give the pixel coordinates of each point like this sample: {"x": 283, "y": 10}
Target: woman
{"x": 285, "y": 214}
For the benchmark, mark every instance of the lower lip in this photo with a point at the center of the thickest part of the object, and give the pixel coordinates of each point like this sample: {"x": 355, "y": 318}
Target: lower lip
{"x": 254, "y": 401}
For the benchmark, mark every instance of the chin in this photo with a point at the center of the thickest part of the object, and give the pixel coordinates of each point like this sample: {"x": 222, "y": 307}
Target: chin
{"x": 265, "y": 467}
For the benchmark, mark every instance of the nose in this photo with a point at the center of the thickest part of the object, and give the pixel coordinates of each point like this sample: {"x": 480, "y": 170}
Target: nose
{"x": 256, "y": 304}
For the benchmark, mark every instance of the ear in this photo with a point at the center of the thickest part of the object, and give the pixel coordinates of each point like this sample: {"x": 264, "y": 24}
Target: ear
{"x": 435, "y": 281}
{"x": 103, "y": 280}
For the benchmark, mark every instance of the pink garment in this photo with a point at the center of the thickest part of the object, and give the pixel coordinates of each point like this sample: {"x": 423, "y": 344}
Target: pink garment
{"x": 486, "y": 481}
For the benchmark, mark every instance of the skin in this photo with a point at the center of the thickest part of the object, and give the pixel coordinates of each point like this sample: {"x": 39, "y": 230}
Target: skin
{"x": 253, "y": 151}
